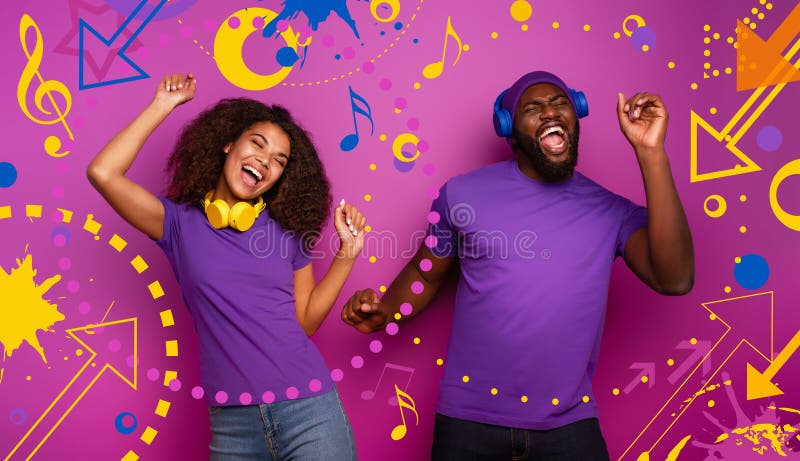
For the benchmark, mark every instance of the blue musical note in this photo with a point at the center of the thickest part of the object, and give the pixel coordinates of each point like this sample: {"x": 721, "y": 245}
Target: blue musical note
{"x": 350, "y": 141}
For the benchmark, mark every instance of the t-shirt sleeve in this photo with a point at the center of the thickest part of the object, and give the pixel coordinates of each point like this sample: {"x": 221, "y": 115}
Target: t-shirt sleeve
{"x": 171, "y": 225}
{"x": 634, "y": 217}
{"x": 302, "y": 256}
{"x": 442, "y": 237}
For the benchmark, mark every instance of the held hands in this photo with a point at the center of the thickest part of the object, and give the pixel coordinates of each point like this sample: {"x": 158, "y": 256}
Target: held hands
{"x": 362, "y": 311}
{"x": 643, "y": 120}
{"x": 175, "y": 89}
{"x": 349, "y": 224}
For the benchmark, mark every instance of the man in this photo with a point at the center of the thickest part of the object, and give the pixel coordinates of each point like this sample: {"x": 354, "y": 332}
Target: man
{"x": 527, "y": 324}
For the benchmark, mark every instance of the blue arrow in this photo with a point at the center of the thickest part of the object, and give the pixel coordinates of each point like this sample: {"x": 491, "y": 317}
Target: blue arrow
{"x": 140, "y": 73}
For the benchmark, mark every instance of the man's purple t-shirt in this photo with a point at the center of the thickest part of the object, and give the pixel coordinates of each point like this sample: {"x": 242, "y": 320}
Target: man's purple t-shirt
{"x": 535, "y": 263}
{"x": 239, "y": 289}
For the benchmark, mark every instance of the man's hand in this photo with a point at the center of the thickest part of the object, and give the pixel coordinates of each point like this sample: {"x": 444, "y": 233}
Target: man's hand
{"x": 363, "y": 311}
{"x": 643, "y": 120}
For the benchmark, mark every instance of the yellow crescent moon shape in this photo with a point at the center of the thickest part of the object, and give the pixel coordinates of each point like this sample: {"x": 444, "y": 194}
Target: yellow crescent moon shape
{"x": 722, "y": 206}
{"x": 789, "y": 220}
{"x": 400, "y": 141}
{"x": 394, "y": 4}
{"x": 228, "y": 50}
{"x": 634, "y": 17}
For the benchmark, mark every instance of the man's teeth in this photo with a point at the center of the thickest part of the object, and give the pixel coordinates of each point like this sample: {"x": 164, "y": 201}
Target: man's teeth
{"x": 253, "y": 171}
{"x": 551, "y": 130}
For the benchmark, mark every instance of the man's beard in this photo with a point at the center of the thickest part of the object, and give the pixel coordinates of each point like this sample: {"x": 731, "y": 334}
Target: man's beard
{"x": 550, "y": 171}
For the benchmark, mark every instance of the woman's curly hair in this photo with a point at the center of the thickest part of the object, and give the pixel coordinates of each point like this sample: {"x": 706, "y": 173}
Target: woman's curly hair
{"x": 300, "y": 201}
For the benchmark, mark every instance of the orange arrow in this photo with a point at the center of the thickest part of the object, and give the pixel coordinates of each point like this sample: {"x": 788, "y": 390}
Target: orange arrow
{"x": 759, "y": 385}
{"x": 77, "y": 387}
{"x": 757, "y": 60}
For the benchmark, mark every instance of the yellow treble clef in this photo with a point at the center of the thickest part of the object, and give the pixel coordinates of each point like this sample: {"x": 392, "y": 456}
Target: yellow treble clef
{"x": 45, "y": 88}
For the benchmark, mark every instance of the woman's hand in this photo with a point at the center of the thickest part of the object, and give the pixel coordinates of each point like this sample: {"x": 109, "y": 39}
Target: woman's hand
{"x": 175, "y": 89}
{"x": 349, "y": 223}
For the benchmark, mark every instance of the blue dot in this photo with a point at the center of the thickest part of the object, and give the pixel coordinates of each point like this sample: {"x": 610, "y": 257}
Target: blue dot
{"x": 338, "y": 56}
{"x": 643, "y": 36}
{"x": 769, "y": 138}
{"x": 398, "y": 25}
{"x": 286, "y": 56}
{"x": 125, "y": 423}
{"x": 752, "y": 272}
{"x": 8, "y": 174}
{"x": 416, "y": 40}
{"x": 383, "y": 32}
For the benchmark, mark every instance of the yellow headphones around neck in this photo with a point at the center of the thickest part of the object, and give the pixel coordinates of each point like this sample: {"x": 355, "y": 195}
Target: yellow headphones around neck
{"x": 240, "y": 216}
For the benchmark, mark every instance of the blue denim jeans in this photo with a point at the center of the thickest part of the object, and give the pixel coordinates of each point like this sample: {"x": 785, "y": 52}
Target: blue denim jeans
{"x": 459, "y": 440}
{"x": 314, "y": 428}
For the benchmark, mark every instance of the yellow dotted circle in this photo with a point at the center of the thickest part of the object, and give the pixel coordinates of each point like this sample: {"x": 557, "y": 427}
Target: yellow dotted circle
{"x": 617, "y": 35}
{"x": 367, "y": 197}
{"x": 615, "y": 391}
{"x": 382, "y": 288}
{"x": 494, "y": 35}
{"x": 417, "y": 340}
{"x": 711, "y": 404}
{"x": 587, "y": 27}
{"x": 556, "y": 25}
{"x": 671, "y": 65}
{"x": 693, "y": 341}
{"x": 645, "y": 379}
{"x": 417, "y": 85}
{"x": 439, "y": 362}
{"x": 585, "y": 399}
{"x": 737, "y": 260}
{"x": 373, "y": 166}
{"x": 524, "y": 27}
{"x": 465, "y": 378}
{"x": 372, "y": 259}
{"x": 521, "y": 10}
{"x": 742, "y": 229}
{"x": 555, "y": 401}
{"x": 524, "y": 399}
{"x": 670, "y": 362}
{"x": 727, "y": 289}
{"x": 493, "y": 391}
{"x": 367, "y": 228}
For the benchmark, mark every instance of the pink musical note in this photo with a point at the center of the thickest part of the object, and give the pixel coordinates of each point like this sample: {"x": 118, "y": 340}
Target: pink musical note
{"x": 350, "y": 141}
{"x": 369, "y": 394}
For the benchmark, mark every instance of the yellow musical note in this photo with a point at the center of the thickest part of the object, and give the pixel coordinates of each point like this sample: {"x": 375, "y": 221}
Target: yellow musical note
{"x": 401, "y": 429}
{"x": 435, "y": 69}
{"x": 46, "y": 87}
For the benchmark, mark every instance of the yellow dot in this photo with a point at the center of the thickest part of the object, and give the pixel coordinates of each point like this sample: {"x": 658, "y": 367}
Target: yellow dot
{"x": 27, "y": 378}
{"x": 693, "y": 341}
{"x": 754, "y": 10}
{"x": 465, "y": 378}
{"x": 382, "y": 137}
{"x": 465, "y": 47}
{"x": 746, "y": 20}
{"x": 397, "y": 111}
{"x": 373, "y": 167}
{"x": 555, "y": 401}
{"x": 727, "y": 289}
{"x": 556, "y": 25}
{"x": 372, "y": 259}
{"x": 524, "y": 398}
{"x": 585, "y": 399}
{"x": 493, "y": 391}
{"x": 728, "y": 137}
{"x": 521, "y": 10}
{"x": 711, "y": 404}
{"x": 769, "y": 6}
{"x": 79, "y": 352}
{"x": 707, "y": 40}
{"x": 713, "y": 110}
{"x": 367, "y": 197}
{"x": 645, "y": 379}
{"x": 737, "y": 260}
{"x": 728, "y": 70}
{"x": 66, "y": 358}
{"x": 729, "y": 40}
{"x": 715, "y": 73}
{"x": 368, "y": 228}
{"x": 617, "y": 35}
{"x": 524, "y": 27}
{"x": 670, "y": 362}
{"x": 439, "y": 362}
{"x": 587, "y": 27}
{"x": 713, "y": 316}
{"x": 762, "y": 1}
{"x": 706, "y": 53}
{"x": 417, "y": 85}
{"x": 716, "y": 35}
{"x": 706, "y": 27}
{"x": 417, "y": 340}
{"x": 382, "y": 288}
{"x": 736, "y": 45}
{"x": 645, "y": 48}
{"x": 760, "y": 15}
{"x": 753, "y": 25}
{"x": 494, "y": 34}
{"x": 694, "y": 86}
{"x": 742, "y": 198}
{"x": 742, "y": 229}
{"x": 671, "y": 65}
{"x": 615, "y": 391}
{"x": 706, "y": 65}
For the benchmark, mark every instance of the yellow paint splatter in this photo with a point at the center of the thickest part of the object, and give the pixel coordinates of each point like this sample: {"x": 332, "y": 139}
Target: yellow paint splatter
{"x": 23, "y": 310}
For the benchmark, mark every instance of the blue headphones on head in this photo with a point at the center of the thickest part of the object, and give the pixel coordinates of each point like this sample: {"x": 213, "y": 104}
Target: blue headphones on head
{"x": 504, "y": 122}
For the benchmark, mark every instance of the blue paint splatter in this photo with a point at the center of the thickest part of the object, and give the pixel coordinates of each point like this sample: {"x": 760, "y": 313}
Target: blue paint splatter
{"x": 752, "y": 272}
{"x": 316, "y": 12}
{"x": 8, "y": 174}
{"x": 286, "y": 56}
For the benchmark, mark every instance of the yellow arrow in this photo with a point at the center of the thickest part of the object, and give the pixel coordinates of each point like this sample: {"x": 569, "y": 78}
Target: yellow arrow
{"x": 730, "y": 140}
{"x": 759, "y": 385}
{"x": 44, "y": 427}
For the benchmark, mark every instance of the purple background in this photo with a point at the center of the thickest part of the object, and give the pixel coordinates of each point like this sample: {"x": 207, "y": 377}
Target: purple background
{"x": 451, "y": 114}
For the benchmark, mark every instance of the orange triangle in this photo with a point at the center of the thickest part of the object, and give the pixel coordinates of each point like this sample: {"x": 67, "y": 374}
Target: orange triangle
{"x": 760, "y": 63}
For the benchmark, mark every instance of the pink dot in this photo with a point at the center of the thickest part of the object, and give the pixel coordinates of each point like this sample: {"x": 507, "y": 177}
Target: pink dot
{"x": 84, "y": 307}
{"x": 186, "y": 31}
{"x": 305, "y": 31}
{"x": 258, "y": 22}
{"x": 357, "y": 361}
{"x": 400, "y": 103}
{"x": 385, "y": 84}
{"x": 245, "y": 398}
{"x": 73, "y": 286}
{"x": 314, "y": 385}
{"x": 337, "y": 375}
{"x": 65, "y": 264}
{"x": 62, "y": 167}
{"x": 59, "y": 240}
{"x": 348, "y": 53}
{"x": 431, "y": 241}
{"x": 375, "y": 346}
{"x": 417, "y": 287}
{"x": 429, "y": 169}
{"x": 58, "y": 192}
{"x": 327, "y": 41}
{"x": 143, "y": 52}
{"x": 368, "y": 67}
{"x": 234, "y": 22}
{"x": 221, "y": 397}
{"x": 175, "y": 385}
{"x": 282, "y": 25}
{"x": 268, "y": 397}
{"x": 433, "y": 217}
{"x": 422, "y": 146}
{"x": 433, "y": 193}
{"x": 292, "y": 393}
{"x": 198, "y": 392}
{"x": 412, "y": 124}
{"x": 406, "y": 308}
{"x": 129, "y": 361}
{"x": 153, "y": 374}
{"x": 56, "y": 216}
{"x": 209, "y": 25}
{"x": 391, "y": 328}
{"x": 163, "y": 40}
{"x": 114, "y": 345}
{"x": 425, "y": 265}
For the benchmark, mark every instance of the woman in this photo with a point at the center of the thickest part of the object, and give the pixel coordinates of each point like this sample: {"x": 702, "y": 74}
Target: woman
{"x": 248, "y": 197}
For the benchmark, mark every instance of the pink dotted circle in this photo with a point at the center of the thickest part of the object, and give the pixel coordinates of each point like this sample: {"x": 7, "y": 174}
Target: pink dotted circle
{"x": 198, "y": 392}
{"x": 375, "y": 346}
{"x": 422, "y": 146}
{"x": 235, "y": 22}
{"x": 114, "y": 345}
{"x": 357, "y": 361}
{"x": 417, "y": 287}
{"x": 65, "y": 264}
{"x": 268, "y": 396}
{"x": 391, "y": 328}
{"x": 434, "y": 217}
{"x": 258, "y": 23}
{"x": 425, "y": 265}
{"x": 59, "y": 240}
{"x": 400, "y": 103}
{"x": 129, "y": 361}
{"x": 349, "y": 53}
{"x": 337, "y": 375}
{"x": 84, "y": 307}
{"x": 221, "y": 397}
{"x": 412, "y": 124}
{"x": 245, "y": 398}
{"x": 406, "y": 308}
{"x": 175, "y": 385}
{"x": 153, "y": 374}
{"x": 368, "y": 67}
{"x": 385, "y": 84}
{"x": 292, "y": 393}
{"x": 431, "y": 241}
{"x": 314, "y": 385}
